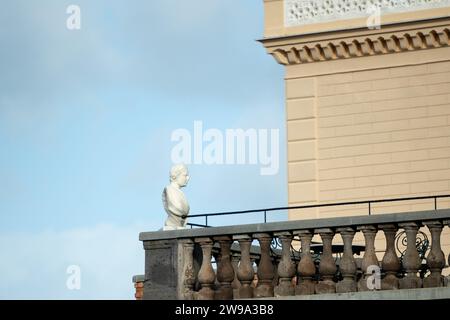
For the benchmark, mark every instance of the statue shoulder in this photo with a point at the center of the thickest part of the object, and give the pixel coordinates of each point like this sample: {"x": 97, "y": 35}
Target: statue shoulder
{"x": 169, "y": 194}
{"x": 169, "y": 190}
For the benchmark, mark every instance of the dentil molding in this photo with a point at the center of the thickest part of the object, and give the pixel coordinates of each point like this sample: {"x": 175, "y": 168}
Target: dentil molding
{"x": 300, "y": 49}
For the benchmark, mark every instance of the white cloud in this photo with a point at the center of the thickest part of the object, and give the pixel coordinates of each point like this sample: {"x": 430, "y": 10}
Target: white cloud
{"x": 34, "y": 265}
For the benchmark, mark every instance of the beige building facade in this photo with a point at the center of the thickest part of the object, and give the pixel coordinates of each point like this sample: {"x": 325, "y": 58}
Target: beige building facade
{"x": 367, "y": 102}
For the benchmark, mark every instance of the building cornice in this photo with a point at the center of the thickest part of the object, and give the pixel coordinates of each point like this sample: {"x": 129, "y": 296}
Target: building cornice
{"x": 361, "y": 42}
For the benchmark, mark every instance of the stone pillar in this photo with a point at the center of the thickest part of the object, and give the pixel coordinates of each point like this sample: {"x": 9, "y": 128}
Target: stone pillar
{"x": 265, "y": 267}
{"x": 327, "y": 266}
{"x": 236, "y": 285}
{"x": 347, "y": 265}
{"x": 286, "y": 268}
{"x": 245, "y": 272}
{"x": 370, "y": 259}
{"x": 188, "y": 270}
{"x": 411, "y": 260}
{"x": 206, "y": 276}
{"x": 436, "y": 258}
{"x": 163, "y": 265}
{"x": 225, "y": 272}
{"x": 391, "y": 263}
{"x": 306, "y": 268}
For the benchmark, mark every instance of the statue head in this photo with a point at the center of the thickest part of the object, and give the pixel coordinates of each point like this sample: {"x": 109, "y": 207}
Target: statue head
{"x": 179, "y": 174}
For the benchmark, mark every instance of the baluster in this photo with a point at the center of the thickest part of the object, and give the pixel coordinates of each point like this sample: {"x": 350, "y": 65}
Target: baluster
{"x": 188, "y": 270}
{"x": 436, "y": 258}
{"x": 447, "y": 222}
{"x": 265, "y": 267}
{"x": 369, "y": 260}
{"x": 206, "y": 276}
{"x": 225, "y": 272}
{"x": 245, "y": 272}
{"x": 391, "y": 263}
{"x": 347, "y": 264}
{"x": 411, "y": 259}
{"x": 306, "y": 268}
{"x": 236, "y": 284}
{"x": 327, "y": 266}
{"x": 286, "y": 268}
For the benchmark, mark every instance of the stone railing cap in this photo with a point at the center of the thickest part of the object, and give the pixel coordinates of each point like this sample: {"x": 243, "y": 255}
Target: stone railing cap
{"x": 138, "y": 278}
{"x": 295, "y": 225}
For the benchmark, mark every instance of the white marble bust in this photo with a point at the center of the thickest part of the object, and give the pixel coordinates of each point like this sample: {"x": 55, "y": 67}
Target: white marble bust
{"x": 174, "y": 200}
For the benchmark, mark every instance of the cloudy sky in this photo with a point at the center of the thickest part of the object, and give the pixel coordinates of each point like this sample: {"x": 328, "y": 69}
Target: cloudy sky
{"x": 86, "y": 118}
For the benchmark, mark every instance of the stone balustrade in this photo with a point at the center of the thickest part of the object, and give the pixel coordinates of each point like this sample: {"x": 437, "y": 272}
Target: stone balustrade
{"x": 218, "y": 263}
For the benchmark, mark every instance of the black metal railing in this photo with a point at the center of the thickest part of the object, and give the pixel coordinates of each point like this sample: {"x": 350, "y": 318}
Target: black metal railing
{"x": 265, "y": 211}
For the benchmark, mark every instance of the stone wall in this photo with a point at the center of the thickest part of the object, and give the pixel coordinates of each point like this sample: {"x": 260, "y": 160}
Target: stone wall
{"x": 368, "y": 110}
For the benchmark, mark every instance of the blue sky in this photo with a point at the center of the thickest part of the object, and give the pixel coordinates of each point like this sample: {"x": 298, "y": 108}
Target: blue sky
{"x": 86, "y": 118}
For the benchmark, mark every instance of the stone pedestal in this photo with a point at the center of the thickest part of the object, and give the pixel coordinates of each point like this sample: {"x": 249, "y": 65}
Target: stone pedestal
{"x": 164, "y": 262}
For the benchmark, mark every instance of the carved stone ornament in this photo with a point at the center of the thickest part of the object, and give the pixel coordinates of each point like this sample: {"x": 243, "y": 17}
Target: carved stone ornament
{"x": 301, "y": 12}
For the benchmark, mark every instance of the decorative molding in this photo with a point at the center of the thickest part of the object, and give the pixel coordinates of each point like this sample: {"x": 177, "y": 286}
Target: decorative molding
{"x": 301, "y": 12}
{"x": 300, "y": 50}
